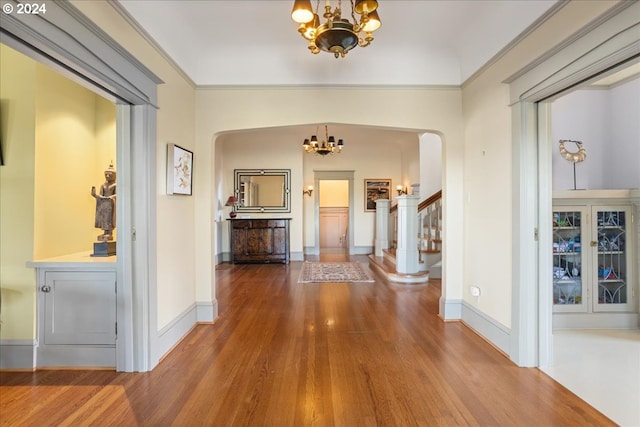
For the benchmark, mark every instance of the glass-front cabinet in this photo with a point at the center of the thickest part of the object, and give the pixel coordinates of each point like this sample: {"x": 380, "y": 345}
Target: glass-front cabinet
{"x": 613, "y": 258}
{"x": 570, "y": 290}
{"x": 593, "y": 259}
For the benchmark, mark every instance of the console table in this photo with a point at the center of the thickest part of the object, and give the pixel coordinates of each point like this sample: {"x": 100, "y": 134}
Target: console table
{"x": 260, "y": 240}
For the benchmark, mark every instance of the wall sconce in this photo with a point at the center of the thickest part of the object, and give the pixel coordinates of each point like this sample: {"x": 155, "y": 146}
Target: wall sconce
{"x": 308, "y": 191}
{"x": 400, "y": 190}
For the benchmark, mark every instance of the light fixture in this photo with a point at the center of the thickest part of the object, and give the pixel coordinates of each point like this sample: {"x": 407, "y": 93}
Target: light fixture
{"x": 336, "y": 35}
{"x": 327, "y": 146}
{"x": 231, "y": 201}
{"x": 308, "y": 191}
{"x": 400, "y": 190}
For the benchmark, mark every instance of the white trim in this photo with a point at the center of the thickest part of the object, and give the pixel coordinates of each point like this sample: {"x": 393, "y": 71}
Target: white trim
{"x": 493, "y": 331}
{"x": 18, "y": 354}
{"x": 450, "y": 309}
{"x": 88, "y": 356}
{"x": 595, "y": 321}
{"x": 545, "y": 233}
{"x": 172, "y": 333}
{"x": 524, "y": 320}
{"x": 206, "y": 311}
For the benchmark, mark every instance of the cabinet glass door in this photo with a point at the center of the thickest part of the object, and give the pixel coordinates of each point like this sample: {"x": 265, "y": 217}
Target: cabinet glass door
{"x": 569, "y": 285}
{"x": 613, "y": 262}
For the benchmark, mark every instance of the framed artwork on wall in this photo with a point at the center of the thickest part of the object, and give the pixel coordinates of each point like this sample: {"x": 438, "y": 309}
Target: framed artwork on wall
{"x": 375, "y": 189}
{"x": 179, "y": 170}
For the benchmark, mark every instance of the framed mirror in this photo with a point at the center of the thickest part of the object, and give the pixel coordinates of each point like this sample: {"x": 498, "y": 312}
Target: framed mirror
{"x": 262, "y": 190}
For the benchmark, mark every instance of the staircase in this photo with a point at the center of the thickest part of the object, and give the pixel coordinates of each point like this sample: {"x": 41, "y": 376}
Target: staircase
{"x": 429, "y": 245}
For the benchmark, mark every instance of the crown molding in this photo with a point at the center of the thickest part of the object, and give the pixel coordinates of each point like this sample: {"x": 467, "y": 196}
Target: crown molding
{"x": 147, "y": 37}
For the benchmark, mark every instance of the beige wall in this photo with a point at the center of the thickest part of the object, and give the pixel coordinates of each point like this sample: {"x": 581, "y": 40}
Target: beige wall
{"x": 488, "y": 164}
{"x": 222, "y": 110}
{"x": 60, "y": 138}
{"x": 177, "y": 261}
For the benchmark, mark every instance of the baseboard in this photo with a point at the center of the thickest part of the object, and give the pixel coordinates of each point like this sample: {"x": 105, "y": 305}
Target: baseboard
{"x": 450, "y": 309}
{"x": 296, "y": 256}
{"x": 206, "y": 311}
{"x": 491, "y": 330}
{"x": 355, "y": 250}
{"x": 18, "y": 354}
{"x": 171, "y": 334}
{"x": 596, "y": 321}
{"x": 75, "y": 356}
{"x": 361, "y": 250}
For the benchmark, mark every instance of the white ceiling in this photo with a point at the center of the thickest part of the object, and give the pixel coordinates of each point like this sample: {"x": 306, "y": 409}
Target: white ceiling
{"x": 255, "y": 42}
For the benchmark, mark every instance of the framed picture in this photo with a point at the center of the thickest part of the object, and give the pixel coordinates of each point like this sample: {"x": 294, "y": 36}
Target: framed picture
{"x": 179, "y": 170}
{"x": 375, "y": 189}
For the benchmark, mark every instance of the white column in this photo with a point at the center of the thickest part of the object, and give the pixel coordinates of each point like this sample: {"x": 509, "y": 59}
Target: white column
{"x": 407, "y": 249}
{"x": 382, "y": 225}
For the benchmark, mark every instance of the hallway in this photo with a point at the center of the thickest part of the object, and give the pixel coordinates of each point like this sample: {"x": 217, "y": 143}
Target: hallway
{"x": 288, "y": 354}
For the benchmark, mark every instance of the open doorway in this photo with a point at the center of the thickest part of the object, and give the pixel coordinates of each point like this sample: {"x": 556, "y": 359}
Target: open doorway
{"x": 333, "y": 198}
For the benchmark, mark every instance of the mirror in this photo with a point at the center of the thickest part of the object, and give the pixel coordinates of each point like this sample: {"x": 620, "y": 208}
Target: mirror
{"x": 262, "y": 190}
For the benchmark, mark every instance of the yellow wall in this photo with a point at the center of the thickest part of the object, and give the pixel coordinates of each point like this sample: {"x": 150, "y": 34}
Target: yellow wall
{"x": 75, "y": 142}
{"x": 17, "y": 112}
{"x": 58, "y": 138}
{"x": 333, "y": 193}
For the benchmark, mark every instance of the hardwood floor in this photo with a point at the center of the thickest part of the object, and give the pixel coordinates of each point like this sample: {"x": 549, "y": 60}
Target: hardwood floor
{"x": 289, "y": 354}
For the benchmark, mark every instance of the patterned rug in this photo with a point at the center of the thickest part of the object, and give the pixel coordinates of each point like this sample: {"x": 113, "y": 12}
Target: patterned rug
{"x": 336, "y": 272}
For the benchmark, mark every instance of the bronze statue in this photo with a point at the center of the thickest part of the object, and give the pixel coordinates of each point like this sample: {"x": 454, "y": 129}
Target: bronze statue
{"x": 106, "y": 205}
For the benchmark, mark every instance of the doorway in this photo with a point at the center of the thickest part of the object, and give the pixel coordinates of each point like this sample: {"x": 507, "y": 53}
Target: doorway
{"x": 335, "y": 188}
{"x": 333, "y": 199}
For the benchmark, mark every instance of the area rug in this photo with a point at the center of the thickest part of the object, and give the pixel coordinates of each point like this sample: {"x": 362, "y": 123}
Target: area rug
{"x": 340, "y": 272}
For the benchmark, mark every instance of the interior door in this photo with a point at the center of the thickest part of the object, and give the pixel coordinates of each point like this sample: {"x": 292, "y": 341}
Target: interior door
{"x": 333, "y": 227}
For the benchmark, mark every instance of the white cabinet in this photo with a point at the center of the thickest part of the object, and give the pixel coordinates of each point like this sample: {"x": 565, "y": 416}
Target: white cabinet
{"x": 594, "y": 265}
{"x": 79, "y": 307}
{"x": 76, "y": 309}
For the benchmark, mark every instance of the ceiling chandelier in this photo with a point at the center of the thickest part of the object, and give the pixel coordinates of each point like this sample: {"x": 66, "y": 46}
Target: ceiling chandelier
{"x": 327, "y": 146}
{"x": 337, "y": 35}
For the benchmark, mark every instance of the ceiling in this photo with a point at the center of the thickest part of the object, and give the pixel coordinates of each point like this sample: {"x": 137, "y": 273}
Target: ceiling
{"x": 255, "y": 42}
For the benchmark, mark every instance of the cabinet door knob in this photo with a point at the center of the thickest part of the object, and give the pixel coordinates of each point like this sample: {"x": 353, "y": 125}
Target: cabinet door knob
{"x": 593, "y": 244}
{"x": 46, "y": 288}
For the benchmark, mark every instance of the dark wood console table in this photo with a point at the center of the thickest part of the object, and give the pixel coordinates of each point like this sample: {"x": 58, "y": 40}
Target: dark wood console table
{"x": 259, "y": 240}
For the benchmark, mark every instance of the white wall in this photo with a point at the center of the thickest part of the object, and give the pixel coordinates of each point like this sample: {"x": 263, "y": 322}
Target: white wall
{"x": 608, "y": 124}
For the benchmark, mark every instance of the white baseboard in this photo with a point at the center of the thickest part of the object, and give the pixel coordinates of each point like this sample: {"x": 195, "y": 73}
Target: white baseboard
{"x": 206, "y": 311}
{"x": 494, "y": 332}
{"x": 296, "y": 256}
{"x": 171, "y": 334}
{"x": 18, "y": 354}
{"x": 450, "y": 309}
{"x": 609, "y": 320}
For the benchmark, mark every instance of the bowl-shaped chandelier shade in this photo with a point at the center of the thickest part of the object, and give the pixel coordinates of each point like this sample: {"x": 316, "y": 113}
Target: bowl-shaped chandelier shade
{"x": 339, "y": 39}
{"x": 336, "y": 35}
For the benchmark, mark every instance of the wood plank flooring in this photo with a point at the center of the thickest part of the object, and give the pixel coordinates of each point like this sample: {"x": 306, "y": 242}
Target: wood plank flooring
{"x": 289, "y": 354}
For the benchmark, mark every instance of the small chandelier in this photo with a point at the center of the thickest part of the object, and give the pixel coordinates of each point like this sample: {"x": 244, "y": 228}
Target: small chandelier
{"x": 327, "y": 146}
{"x": 337, "y": 35}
